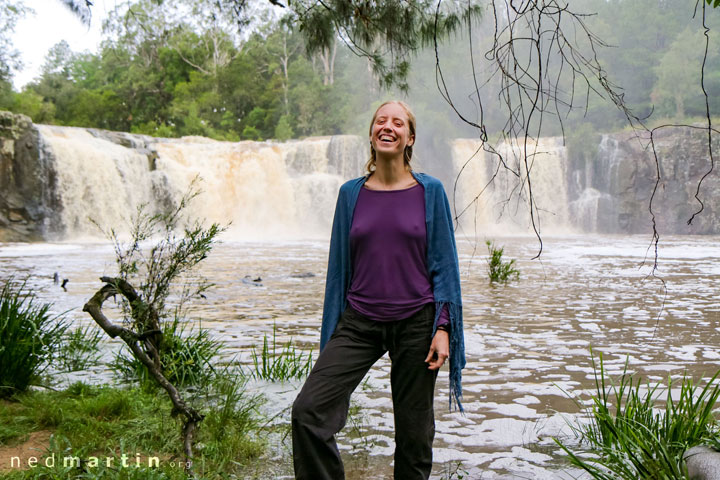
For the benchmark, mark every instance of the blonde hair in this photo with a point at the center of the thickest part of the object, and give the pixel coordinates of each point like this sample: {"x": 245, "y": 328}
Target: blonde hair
{"x": 408, "y": 153}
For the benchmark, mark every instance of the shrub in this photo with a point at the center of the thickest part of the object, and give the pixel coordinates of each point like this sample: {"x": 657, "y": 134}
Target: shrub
{"x": 185, "y": 357}
{"x": 498, "y": 269}
{"x": 29, "y": 338}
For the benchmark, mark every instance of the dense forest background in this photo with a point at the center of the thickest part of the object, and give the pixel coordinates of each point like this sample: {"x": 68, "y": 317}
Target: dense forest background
{"x": 183, "y": 69}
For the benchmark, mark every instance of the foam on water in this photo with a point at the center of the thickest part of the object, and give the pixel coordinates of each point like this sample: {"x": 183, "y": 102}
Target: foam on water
{"x": 528, "y": 343}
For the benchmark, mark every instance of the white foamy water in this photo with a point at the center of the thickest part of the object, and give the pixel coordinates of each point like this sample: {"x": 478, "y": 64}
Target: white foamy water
{"x": 260, "y": 189}
{"x": 528, "y": 343}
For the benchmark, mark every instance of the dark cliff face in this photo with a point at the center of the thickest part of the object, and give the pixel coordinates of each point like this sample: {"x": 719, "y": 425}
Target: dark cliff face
{"x": 28, "y": 189}
{"x": 624, "y": 175}
{"x": 684, "y": 161}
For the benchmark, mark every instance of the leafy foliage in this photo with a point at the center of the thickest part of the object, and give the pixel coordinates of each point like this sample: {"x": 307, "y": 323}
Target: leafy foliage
{"x": 185, "y": 69}
{"x": 10, "y": 11}
{"x": 388, "y": 33}
{"x": 191, "y": 68}
{"x": 185, "y": 357}
{"x": 30, "y": 337}
{"x": 632, "y": 434}
{"x": 500, "y": 270}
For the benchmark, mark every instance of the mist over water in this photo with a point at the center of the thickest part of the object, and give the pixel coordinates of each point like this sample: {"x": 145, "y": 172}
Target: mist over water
{"x": 261, "y": 190}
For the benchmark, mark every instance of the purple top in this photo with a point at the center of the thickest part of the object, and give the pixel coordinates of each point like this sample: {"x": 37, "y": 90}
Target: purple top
{"x": 388, "y": 248}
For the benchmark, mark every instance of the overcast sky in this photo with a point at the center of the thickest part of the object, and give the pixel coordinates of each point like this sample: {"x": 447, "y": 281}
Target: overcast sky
{"x": 51, "y": 23}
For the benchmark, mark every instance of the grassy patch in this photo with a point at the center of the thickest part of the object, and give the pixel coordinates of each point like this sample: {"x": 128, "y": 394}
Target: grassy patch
{"x": 106, "y": 423}
{"x": 29, "y": 338}
{"x": 80, "y": 348}
{"x": 186, "y": 357}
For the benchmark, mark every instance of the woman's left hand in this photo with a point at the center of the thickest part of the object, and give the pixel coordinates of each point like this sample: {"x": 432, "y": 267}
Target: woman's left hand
{"x": 439, "y": 350}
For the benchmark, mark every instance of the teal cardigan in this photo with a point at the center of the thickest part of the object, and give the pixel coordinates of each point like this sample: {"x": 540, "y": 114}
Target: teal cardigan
{"x": 442, "y": 265}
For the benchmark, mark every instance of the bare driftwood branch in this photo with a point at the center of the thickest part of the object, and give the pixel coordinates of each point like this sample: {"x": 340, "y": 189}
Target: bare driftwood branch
{"x": 143, "y": 346}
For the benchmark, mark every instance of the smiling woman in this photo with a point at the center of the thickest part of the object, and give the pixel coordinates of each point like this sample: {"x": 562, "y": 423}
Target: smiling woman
{"x": 392, "y": 134}
{"x": 393, "y": 285}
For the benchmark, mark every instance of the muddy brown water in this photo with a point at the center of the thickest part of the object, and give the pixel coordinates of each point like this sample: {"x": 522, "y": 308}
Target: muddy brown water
{"x": 528, "y": 343}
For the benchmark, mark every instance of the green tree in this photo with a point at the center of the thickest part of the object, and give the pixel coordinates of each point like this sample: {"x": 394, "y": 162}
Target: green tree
{"x": 10, "y": 12}
{"x": 283, "y": 129}
{"x": 34, "y": 106}
{"x": 677, "y": 91}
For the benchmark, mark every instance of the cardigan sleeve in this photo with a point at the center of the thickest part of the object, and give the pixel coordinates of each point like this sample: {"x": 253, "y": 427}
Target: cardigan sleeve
{"x": 334, "y": 282}
{"x": 444, "y": 271}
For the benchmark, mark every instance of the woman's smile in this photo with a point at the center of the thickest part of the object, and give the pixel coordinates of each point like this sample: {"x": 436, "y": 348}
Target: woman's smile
{"x": 390, "y": 131}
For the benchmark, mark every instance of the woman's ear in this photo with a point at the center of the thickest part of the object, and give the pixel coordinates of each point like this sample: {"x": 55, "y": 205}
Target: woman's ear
{"x": 411, "y": 141}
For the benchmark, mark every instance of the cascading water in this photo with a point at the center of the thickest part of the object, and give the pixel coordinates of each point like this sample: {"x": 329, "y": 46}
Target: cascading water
{"x": 57, "y": 181}
{"x": 493, "y": 194}
{"x": 259, "y": 189}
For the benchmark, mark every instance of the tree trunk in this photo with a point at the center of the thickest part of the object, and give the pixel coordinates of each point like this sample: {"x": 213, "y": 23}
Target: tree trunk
{"x": 144, "y": 346}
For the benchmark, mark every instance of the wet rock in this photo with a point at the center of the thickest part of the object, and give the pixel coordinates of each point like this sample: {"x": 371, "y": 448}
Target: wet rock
{"x": 248, "y": 280}
{"x": 623, "y": 175}
{"x": 28, "y": 196}
{"x": 152, "y": 156}
{"x": 124, "y": 139}
{"x": 15, "y": 216}
{"x": 302, "y": 275}
{"x": 703, "y": 463}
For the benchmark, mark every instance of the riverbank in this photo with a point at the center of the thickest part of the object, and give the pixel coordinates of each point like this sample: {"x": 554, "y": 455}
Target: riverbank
{"x": 110, "y": 432}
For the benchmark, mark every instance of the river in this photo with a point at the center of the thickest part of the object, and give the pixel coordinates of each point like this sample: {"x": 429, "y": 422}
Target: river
{"x": 528, "y": 342}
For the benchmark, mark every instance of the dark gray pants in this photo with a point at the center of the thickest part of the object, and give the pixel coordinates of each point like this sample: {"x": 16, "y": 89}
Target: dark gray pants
{"x": 320, "y": 410}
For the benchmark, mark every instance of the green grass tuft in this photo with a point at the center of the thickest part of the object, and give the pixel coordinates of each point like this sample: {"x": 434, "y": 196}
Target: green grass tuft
{"x": 186, "y": 358}
{"x": 279, "y": 364}
{"x": 637, "y": 435}
{"x": 80, "y": 348}
{"x": 29, "y": 338}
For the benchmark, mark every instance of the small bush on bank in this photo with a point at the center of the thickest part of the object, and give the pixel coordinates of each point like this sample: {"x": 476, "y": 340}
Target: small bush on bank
{"x": 186, "y": 358}
{"x": 29, "y": 338}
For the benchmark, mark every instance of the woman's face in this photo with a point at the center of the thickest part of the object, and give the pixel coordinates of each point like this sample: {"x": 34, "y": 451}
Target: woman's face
{"x": 390, "y": 132}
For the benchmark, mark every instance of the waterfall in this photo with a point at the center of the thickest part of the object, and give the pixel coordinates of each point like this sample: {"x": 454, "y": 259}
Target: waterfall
{"x": 493, "y": 193}
{"x": 259, "y": 189}
{"x": 64, "y": 182}
{"x": 596, "y": 187}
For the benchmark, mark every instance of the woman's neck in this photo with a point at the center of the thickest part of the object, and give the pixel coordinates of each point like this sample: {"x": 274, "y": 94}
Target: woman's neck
{"x": 390, "y": 175}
